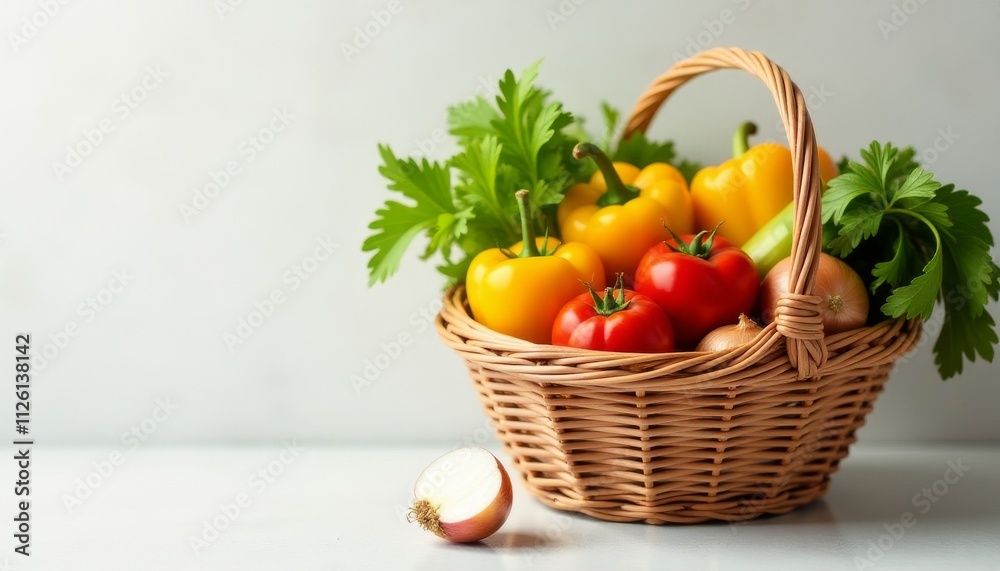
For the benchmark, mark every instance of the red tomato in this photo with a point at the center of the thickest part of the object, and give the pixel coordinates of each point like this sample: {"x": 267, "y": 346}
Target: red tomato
{"x": 699, "y": 285}
{"x": 626, "y": 323}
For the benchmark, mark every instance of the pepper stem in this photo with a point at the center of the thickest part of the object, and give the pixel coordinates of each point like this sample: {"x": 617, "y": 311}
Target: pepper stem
{"x": 612, "y": 303}
{"x": 618, "y": 192}
{"x": 740, "y": 143}
{"x": 528, "y": 247}
{"x": 699, "y": 246}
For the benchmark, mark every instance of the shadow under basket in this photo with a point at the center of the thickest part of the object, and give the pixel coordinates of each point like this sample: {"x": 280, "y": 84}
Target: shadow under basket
{"x": 690, "y": 437}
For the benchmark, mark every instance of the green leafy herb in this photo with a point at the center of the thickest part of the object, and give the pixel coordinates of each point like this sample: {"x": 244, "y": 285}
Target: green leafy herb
{"x": 611, "y": 116}
{"x": 640, "y": 151}
{"x": 466, "y": 204}
{"x": 924, "y": 242}
{"x": 689, "y": 169}
{"x": 428, "y": 185}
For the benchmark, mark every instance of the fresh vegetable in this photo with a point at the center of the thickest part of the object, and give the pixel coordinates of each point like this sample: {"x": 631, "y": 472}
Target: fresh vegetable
{"x": 773, "y": 241}
{"x": 701, "y": 283}
{"x": 922, "y": 243}
{"x": 621, "y": 211}
{"x": 748, "y": 190}
{"x": 465, "y": 204}
{"x": 845, "y": 301}
{"x": 524, "y": 141}
{"x": 730, "y": 336}
{"x": 624, "y": 322}
{"x": 462, "y": 496}
{"x": 519, "y": 291}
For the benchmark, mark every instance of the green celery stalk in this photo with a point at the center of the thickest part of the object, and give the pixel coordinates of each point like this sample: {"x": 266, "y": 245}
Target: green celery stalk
{"x": 773, "y": 242}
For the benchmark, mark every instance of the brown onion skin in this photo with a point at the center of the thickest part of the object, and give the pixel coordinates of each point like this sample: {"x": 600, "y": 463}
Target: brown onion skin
{"x": 730, "y": 336}
{"x": 486, "y": 522}
{"x": 834, "y": 279}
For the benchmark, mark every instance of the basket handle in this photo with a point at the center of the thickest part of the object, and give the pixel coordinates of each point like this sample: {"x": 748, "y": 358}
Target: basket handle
{"x": 797, "y": 317}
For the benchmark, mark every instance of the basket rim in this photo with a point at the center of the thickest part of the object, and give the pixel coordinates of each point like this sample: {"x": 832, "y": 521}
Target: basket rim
{"x": 871, "y": 345}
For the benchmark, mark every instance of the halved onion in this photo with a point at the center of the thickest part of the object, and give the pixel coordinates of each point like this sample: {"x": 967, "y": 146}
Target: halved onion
{"x": 462, "y": 496}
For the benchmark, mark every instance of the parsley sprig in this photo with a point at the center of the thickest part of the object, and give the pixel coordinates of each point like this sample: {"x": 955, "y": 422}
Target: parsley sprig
{"x": 465, "y": 204}
{"x": 923, "y": 243}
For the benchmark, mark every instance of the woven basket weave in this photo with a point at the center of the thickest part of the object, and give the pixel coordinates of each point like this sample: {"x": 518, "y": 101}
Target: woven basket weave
{"x": 690, "y": 437}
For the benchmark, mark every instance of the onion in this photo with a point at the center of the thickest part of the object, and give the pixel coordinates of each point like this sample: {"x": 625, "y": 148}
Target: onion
{"x": 729, "y": 336}
{"x": 462, "y": 496}
{"x": 845, "y": 300}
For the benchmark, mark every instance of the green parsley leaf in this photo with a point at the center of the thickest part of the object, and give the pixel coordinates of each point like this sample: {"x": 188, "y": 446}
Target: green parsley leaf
{"x": 843, "y": 163}
{"x": 879, "y": 159}
{"x": 640, "y": 151}
{"x": 940, "y": 248}
{"x": 895, "y": 272}
{"x": 611, "y": 117}
{"x": 858, "y": 223}
{"x": 428, "y": 185}
{"x": 967, "y": 243}
{"x": 520, "y": 147}
{"x": 526, "y": 129}
{"x": 466, "y": 204}
{"x": 964, "y": 336}
{"x": 935, "y": 212}
{"x": 969, "y": 222}
{"x": 841, "y": 191}
{"x": 917, "y": 298}
{"x": 477, "y": 166}
{"x": 689, "y": 169}
{"x": 472, "y": 119}
{"x": 918, "y": 188}
{"x": 993, "y": 288}
{"x": 901, "y": 165}
{"x": 449, "y": 227}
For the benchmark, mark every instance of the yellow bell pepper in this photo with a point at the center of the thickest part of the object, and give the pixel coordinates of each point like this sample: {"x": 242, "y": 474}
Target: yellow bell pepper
{"x": 621, "y": 213}
{"x": 748, "y": 190}
{"x": 518, "y": 291}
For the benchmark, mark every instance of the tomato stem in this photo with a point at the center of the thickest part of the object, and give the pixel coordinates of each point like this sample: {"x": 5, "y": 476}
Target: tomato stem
{"x": 740, "y": 143}
{"x": 618, "y": 192}
{"x": 612, "y": 303}
{"x": 697, "y": 246}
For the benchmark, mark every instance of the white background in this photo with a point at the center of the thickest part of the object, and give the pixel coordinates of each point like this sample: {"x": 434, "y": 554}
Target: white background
{"x": 226, "y": 72}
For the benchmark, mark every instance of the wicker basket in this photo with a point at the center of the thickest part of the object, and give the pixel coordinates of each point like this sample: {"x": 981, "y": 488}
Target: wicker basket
{"x": 690, "y": 437}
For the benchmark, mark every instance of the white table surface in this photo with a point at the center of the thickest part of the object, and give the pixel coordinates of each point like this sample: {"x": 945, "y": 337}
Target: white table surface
{"x": 342, "y": 508}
